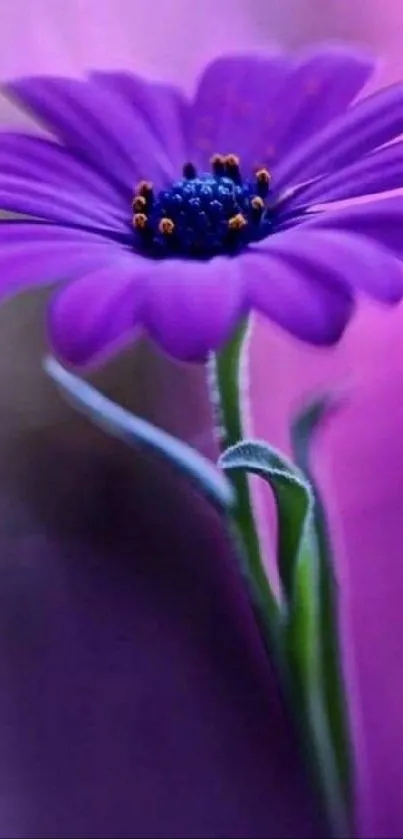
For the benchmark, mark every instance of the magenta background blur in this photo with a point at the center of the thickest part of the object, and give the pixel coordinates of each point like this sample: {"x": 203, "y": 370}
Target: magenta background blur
{"x": 359, "y": 456}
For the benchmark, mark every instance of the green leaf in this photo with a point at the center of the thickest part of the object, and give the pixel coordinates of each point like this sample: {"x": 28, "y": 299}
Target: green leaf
{"x": 136, "y": 432}
{"x": 300, "y": 638}
{"x": 303, "y": 430}
{"x": 292, "y": 494}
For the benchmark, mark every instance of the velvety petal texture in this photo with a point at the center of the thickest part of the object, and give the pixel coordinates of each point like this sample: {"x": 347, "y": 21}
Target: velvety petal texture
{"x": 294, "y": 295}
{"x": 98, "y": 310}
{"x": 208, "y": 297}
{"x": 301, "y": 263}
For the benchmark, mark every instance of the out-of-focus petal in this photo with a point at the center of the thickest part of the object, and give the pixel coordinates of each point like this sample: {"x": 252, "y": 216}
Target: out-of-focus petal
{"x": 163, "y": 108}
{"x": 97, "y": 126}
{"x": 370, "y": 123}
{"x": 322, "y": 84}
{"x": 232, "y": 101}
{"x": 266, "y": 106}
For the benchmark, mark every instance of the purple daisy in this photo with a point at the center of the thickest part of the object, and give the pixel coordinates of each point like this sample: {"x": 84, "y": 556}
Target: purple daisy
{"x": 179, "y": 216}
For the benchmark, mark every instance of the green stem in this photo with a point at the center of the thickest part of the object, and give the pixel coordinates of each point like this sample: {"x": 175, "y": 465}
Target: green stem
{"x": 331, "y": 655}
{"x": 306, "y": 666}
{"x": 228, "y": 371}
{"x": 302, "y": 675}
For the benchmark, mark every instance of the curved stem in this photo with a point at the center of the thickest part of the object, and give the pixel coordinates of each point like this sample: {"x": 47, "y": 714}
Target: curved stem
{"x": 229, "y": 378}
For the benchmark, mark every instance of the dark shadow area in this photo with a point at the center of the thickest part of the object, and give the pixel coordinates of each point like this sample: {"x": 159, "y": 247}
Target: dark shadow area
{"x": 135, "y": 700}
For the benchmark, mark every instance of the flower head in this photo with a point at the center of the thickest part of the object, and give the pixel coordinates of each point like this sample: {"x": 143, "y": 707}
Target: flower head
{"x": 180, "y": 216}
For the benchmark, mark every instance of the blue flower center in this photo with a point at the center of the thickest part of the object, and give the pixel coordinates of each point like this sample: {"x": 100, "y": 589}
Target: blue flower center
{"x": 204, "y": 215}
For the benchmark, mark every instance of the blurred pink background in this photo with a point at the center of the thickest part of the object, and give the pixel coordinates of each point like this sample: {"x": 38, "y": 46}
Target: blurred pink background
{"x": 359, "y": 456}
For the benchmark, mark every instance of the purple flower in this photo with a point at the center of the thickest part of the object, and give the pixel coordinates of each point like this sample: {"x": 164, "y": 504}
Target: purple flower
{"x": 181, "y": 216}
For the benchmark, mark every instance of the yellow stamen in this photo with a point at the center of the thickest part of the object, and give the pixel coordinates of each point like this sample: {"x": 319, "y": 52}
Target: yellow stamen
{"x": 166, "y": 226}
{"x": 232, "y": 160}
{"x": 144, "y": 188}
{"x": 257, "y": 202}
{"x": 217, "y": 160}
{"x": 237, "y": 222}
{"x": 263, "y": 176}
{"x": 139, "y": 203}
{"x": 140, "y": 220}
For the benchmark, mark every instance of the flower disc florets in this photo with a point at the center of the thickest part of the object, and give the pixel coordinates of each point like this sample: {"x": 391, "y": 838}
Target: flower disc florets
{"x": 204, "y": 215}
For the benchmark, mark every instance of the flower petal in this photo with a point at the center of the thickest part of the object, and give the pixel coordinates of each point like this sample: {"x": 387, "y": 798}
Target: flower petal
{"x": 162, "y": 107}
{"x": 380, "y": 220}
{"x": 368, "y": 124}
{"x": 45, "y": 161}
{"x": 21, "y": 232}
{"x": 342, "y": 257}
{"x": 320, "y": 87}
{"x": 233, "y": 99}
{"x": 95, "y": 125}
{"x": 30, "y": 264}
{"x": 193, "y": 307}
{"x": 379, "y": 171}
{"x": 298, "y": 298}
{"x": 19, "y": 195}
{"x": 90, "y": 316}
{"x": 261, "y": 107}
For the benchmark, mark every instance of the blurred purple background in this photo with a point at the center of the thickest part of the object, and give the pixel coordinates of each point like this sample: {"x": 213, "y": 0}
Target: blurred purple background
{"x": 134, "y": 698}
